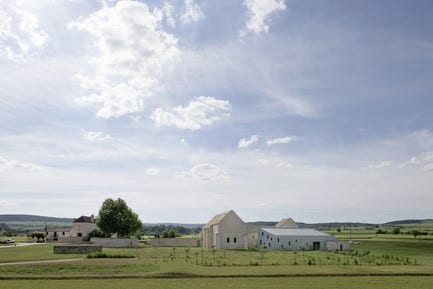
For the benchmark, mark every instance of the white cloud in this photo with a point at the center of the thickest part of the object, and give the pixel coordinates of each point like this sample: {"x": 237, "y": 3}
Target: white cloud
{"x": 152, "y": 171}
{"x": 132, "y": 50}
{"x": 260, "y": 10}
{"x": 425, "y": 160}
{"x": 205, "y": 171}
{"x": 17, "y": 164}
{"x": 281, "y": 140}
{"x": 244, "y": 143}
{"x": 200, "y": 112}
{"x": 167, "y": 9}
{"x": 94, "y": 136}
{"x": 376, "y": 166}
{"x": 193, "y": 12}
{"x": 20, "y": 35}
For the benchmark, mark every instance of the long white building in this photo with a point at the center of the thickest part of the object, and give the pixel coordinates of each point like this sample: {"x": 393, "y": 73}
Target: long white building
{"x": 298, "y": 239}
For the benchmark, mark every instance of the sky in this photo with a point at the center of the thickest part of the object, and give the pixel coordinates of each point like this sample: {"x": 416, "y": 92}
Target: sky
{"x": 315, "y": 110}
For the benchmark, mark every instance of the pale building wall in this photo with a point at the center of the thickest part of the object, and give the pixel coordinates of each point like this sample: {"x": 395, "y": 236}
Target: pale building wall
{"x": 337, "y": 246}
{"x": 276, "y": 242}
{"x": 115, "y": 242}
{"x": 175, "y": 242}
{"x": 83, "y": 228}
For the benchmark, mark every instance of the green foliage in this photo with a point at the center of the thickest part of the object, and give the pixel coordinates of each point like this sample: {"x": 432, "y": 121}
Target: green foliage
{"x": 415, "y": 233}
{"x": 115, "y": 217}
{"x": 169, "y": 234}
{"x": 396, "y": 231}
{"x": 158, "y": 230}
{"x": 37, "y": 235}
{"x": 100, "y": 255}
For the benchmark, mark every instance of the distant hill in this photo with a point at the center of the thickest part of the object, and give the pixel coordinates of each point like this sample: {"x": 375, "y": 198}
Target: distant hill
{"x": 189, "y": 226}
{"x": 33, "y": 218}
{"x": 409, "y": 221}
{"x": 5, "y": 227}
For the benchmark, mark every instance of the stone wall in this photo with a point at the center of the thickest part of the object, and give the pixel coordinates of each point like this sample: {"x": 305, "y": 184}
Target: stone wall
{"x": 115, "y": 242}
{"x": 176, "y": 242}
{"x": 76, "y": 249}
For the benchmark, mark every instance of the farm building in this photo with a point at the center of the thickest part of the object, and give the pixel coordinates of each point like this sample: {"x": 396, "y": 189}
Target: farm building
{"x": 287, "y": 223}
{"x": 225, "y": 231}
{"x": 55, "y": 234}
{"x": 80, "y": 229}
{"x": 298, "y": 239}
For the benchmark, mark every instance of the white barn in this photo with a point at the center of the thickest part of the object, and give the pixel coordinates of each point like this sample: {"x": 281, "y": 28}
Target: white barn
{"x": 225, "y": 231}
{"x": 298, "y": 239}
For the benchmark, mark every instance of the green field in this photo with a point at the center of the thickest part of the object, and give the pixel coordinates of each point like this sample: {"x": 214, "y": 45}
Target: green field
{"x": 235, "y": 283}
{"x": 375, "y": 263}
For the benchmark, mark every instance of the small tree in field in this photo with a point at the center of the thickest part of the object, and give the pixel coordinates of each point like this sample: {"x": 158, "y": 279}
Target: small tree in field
{"x": 115, "y": 217}
{"x": 415, "y": 233}
{"x": 37, "y": 235}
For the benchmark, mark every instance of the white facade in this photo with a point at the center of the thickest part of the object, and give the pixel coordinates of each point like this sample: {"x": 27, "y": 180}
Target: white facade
{"x": 225, "y": 231}
{"x": 57, "y": 233}
{"x": 297, "y": 239}
{"x": 80, "y": 229}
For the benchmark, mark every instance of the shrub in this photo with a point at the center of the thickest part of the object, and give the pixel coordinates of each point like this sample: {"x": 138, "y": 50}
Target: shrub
{"x": 105, "y": 255}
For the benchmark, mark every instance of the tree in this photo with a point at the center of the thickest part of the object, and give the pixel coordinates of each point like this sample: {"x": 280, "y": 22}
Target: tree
{"x": 37, "y": 235}
{"x": 115, "y": 217}
{"x": 415, "y": 233}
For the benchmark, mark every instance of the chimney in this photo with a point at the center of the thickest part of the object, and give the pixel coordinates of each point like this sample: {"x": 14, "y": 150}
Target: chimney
{"x": 92, "y": 218}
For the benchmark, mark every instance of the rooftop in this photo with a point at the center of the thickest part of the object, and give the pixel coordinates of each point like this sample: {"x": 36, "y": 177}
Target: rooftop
{"x": 294, "y": 232}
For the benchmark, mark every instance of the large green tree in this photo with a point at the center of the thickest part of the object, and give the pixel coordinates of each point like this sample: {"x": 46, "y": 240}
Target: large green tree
{"x": 115, "y": 217}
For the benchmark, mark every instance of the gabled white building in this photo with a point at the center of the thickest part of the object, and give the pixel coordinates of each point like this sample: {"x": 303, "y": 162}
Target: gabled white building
{"x": 225, "y": 231}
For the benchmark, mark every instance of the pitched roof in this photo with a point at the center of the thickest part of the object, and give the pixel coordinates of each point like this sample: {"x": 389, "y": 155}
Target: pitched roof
{"x": 287, "y": 223}
{"x": 294, "y": 232}
{"x": 216, "y": 219}
{"x": 85, "y": 219}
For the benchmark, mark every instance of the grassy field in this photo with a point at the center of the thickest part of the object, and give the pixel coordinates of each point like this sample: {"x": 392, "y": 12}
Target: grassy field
{"x": 375, "y": 263}
{"x": 237, "y": 283}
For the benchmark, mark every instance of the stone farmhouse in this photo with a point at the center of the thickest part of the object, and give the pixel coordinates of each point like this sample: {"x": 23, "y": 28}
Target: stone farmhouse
{"x": 80, "y": 229}
{"x": 228, "y": 231}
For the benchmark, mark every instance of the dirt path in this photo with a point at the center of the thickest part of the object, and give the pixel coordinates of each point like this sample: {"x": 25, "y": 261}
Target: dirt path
{"x": 40, "y": 262}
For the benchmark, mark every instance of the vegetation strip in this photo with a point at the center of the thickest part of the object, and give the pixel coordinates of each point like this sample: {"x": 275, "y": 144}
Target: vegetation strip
{"x": 193, "y": 276}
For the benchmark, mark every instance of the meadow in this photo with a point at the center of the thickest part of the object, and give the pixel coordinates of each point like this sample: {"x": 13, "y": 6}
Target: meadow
{"x": 377, "y": 262}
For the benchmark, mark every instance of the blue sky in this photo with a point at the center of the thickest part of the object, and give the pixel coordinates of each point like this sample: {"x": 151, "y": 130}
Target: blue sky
{"x": 315, "y": 110}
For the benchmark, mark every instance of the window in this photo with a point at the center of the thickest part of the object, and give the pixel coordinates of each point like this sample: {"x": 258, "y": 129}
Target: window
{"x": 281, "y": 246}
{"x": 267, "y": 237}
{"x": 228, "y": 239}
{"x": 289, "y": 243}
{"x": 278, "y": 240}
{"x": 262, "y": 233}
{"x": 63, "y": 233}
{"x": 260, "y": 242}
{"x": 234, "y": 240}
{"x": 271, "y": 239}
{"x": 79, "y": 234}
{"x": 296, "y": 241}
{"x": 269, "y": 245}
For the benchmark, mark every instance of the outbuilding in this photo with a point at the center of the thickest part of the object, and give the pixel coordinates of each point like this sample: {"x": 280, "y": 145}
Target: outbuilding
{"x": 298, "y": 239}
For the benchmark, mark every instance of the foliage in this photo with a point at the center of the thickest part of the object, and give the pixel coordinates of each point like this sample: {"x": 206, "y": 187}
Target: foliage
{"x": 37, "y": 235}
{"x": 100, "y": 255}
{"x": 169, "y": 234}
{"x": 158, "y": 230}
{"x": 396, "y": 231}
{"x": 115, "y": 217}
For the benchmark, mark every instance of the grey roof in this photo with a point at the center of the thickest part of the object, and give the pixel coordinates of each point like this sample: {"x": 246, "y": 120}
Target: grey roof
{"x": 85, "y": 219}
{"x": 294, "y": 232}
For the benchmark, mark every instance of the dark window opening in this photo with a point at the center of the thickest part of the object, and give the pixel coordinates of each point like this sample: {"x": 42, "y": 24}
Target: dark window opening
{"x": 234, "y": 240}
{"x": 278, "y": 240}
{"x": 79, "y": 234}
{"x": 228, "y": 240}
